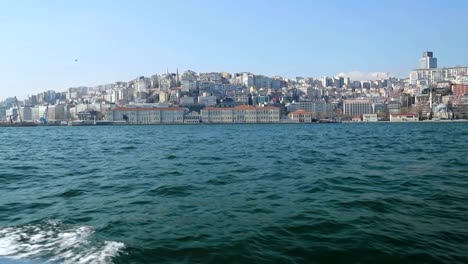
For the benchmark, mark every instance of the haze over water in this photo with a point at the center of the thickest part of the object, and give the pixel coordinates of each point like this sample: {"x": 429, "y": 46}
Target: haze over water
{"x": 335, "y": 193}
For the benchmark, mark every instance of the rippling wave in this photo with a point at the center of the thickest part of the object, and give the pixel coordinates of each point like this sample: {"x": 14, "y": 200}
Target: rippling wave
{"x": 53, "y": 242}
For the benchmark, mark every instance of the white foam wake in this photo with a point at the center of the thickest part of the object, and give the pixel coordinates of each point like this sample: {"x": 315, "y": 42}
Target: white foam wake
{"x": 53, "y": 242}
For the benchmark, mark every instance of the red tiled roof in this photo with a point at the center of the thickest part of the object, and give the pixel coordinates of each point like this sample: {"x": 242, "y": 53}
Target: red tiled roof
{"x": 242, "y": 107}
{"x": 403, "y": 114}
{"x": 119, "y": 108}
{"x": 245, "y": 107}
{"x": 301, "y": 112}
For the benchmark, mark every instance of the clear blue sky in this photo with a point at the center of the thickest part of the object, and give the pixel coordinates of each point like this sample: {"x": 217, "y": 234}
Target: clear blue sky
{"x": 120, "y": 40}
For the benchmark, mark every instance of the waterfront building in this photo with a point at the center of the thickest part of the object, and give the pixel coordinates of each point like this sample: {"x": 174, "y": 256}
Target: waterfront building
{"x": 403, "y": 117}
{"x": 357, "y": 107}
{"x": 26, "y": 113}
{"x": 369, "y": 118}
{"x": 192, "y": 118}
{"x": 137, "y": 115}
{"x": 442, "y": 111}
{"x": 300, "y": 116}
{"x": 88, "y": 115}
{"x": 240, "y": 114}
{"x": 460, "y": 111}
{"x": 2, "y": 113}
{"x": 38, "y": 112}
{"x": 318, "y": 108}
{"x": 57, "y": 113}
{"x": 12, "y": 114}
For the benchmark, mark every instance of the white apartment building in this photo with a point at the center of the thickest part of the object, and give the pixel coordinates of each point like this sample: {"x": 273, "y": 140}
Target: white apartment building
{"x": 318, "y": 108}
{"x": 240, "y": 114}
{"x": 38, "y": 112}
{"x": 57, "y": 113}
{"x": 186, "y": 100}
{"x": 12, "y": 113}
{"x": 207, "y": 100}
{"x": 26, "y": 113}
{"x": 357, "y": 107}
{"x": 432, "y": 76}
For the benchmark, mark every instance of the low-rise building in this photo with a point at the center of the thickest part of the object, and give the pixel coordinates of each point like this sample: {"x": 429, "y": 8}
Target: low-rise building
{"x": 162, "y": 115}
{"x": 369, "y": 118}
{"x": 300, "y": 116}
{"x": 2, "y": 113}
{"x": 460, "y": 111}
{"x": 403, "y": 117}
{"x": 192, "y": 118}
{"x": 240, "y": 114}
{"x": 12, "y": 114}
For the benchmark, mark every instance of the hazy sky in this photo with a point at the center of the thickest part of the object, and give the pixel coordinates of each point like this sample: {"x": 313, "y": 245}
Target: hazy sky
{"x": 120, "y": 40}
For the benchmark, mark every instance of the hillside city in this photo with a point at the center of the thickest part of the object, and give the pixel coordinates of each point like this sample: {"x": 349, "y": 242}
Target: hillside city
{"x": 429, "y": 93}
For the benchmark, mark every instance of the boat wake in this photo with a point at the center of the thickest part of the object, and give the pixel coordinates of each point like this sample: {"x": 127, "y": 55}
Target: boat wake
{"x": 53, "y": 242}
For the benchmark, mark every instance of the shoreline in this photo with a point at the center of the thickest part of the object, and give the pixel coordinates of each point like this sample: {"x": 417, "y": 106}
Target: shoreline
{"x": 277, "y": 123}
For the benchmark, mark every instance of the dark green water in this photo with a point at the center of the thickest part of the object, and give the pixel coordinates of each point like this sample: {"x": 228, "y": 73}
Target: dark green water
{"x": 335, "y": 193}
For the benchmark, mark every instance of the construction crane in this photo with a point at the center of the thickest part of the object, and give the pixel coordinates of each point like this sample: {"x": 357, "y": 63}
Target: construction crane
{"x": 45, "y": 116}
{"x": 19, "y": 110}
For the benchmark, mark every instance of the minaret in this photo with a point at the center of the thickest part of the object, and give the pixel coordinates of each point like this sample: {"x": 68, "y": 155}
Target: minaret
{"x": 177, "y": 78}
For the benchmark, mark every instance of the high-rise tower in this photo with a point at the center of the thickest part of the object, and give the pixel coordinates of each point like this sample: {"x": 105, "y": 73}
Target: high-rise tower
{"x": 427, "y": 61}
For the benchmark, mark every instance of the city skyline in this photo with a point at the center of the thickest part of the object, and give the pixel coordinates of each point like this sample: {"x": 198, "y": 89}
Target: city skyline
{"x": 54, "y": 45}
